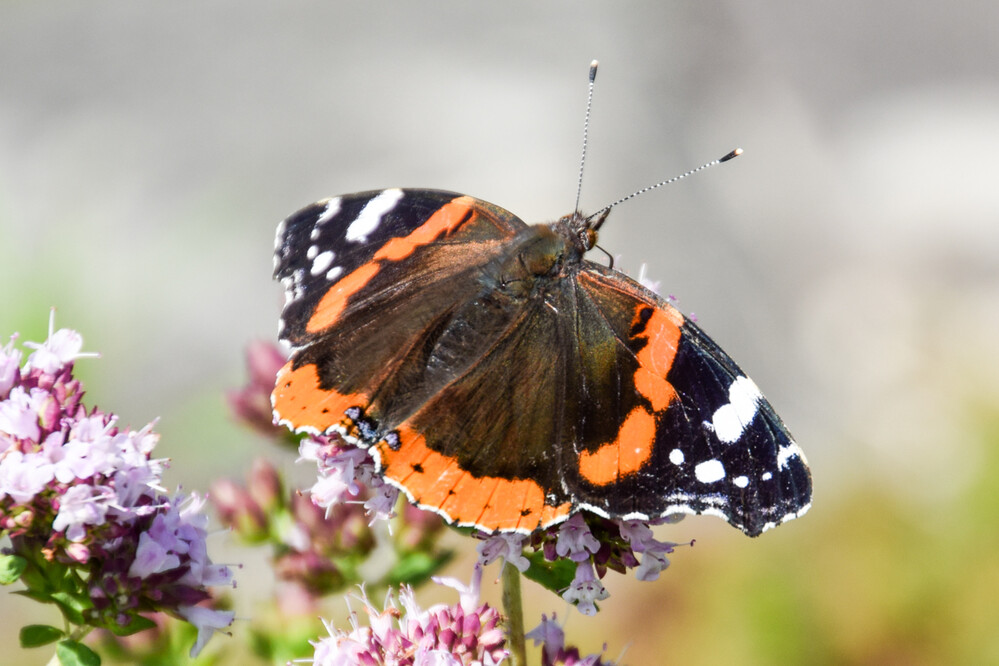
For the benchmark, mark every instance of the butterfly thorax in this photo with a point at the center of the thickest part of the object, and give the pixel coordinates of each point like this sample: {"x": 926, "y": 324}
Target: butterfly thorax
{"x": 540, "y": 257}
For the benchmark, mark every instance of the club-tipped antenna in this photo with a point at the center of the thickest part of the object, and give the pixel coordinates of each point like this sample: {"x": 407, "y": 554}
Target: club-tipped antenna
{"x": 586, "y": 127}
{"x": 603, "y": 211}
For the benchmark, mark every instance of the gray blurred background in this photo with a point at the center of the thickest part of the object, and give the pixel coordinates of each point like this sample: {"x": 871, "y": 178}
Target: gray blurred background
{"x": 849, "y": 260}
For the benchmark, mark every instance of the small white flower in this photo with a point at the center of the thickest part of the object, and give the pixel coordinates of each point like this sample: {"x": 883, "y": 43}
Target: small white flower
{"x": 82, "y": 505}
{"x": 549, "y": 634}
{"x": 338, "y": 476}
{"x": 576, "y": 540}
{"x": 653, "y": 563}
{"x": 207, "y": 621}
{"x": 585, "y": 589}
{"x": 381, "y": 504}
{"x": 24, "y": 475}
{"x": 508, "y": 546}
{"x": 62, "y": 347}
{"x": 19, "y": 413}
{"x": 468, "y": 594}
{"x": 10, "y": 362}
{"x": 153, "y": 556}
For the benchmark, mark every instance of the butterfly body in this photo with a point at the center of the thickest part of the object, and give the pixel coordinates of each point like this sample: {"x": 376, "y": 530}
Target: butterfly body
{"x": 504, "y": 381}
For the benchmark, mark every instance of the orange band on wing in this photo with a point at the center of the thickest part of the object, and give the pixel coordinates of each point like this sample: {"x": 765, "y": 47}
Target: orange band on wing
{"x": 658, "y": 391}
{"x": 335, "y": 300}
{"x": 662, "y": 331}
{"x": 299, "y": 399}
{"x": 626, "y": 454}
{"x": 436, "y": 481}
{"x": 447, "y": 218}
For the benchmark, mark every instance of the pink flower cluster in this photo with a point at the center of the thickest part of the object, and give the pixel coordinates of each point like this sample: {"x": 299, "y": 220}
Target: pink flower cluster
{"x": 344, "y": 472}
{"x": 403, "y": 634}
{"x": 595, "y": 544}
{"x": 78, "y": 491}
{"x": 308, "y": 544}
{"x": 555, "y": 652}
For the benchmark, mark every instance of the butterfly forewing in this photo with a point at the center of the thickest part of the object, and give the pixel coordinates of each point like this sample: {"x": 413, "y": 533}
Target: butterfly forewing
{"x": 359, "y": 321}
{"x": 715, "y": 444}
{"x": 342, "y": 242}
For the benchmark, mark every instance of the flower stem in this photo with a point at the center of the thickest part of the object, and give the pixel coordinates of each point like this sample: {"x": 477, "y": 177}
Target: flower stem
{"x": 514, "y": 611}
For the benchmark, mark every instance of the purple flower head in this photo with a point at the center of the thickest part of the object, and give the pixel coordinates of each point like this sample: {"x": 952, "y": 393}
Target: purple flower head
{"x": 575, "y": 540}
{"x": 308, "y": 540}
{"x": 508, "y": 546}
{"x": 10, "y": 367}
{"x": 585, "y": 590}
{"x": 80, "y": 506}
{"x": 404, "y": 634}
{"x": 595, "y": 545}
{"x": 88, "y": 495}
{"x": 550, "y": 635}
{"x": 251, "y": 404}
{"x": 21, "y": 412}
{"x": 60, "y": 349}
{"x": 23, "y": 476}
{"x": 345, "y": 472}
{"x": 207, "y": 621}
{"x": 384, "y": 497}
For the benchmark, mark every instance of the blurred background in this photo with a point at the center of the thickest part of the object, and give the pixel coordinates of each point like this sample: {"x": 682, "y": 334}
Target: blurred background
{"x": 849, "y": 261}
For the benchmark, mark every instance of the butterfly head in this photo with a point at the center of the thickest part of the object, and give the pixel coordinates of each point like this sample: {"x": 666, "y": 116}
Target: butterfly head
{"x": 583, "y": 229}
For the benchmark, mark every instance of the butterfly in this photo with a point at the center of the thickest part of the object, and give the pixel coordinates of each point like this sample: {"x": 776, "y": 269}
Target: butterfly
{"x": 504, "y": 381}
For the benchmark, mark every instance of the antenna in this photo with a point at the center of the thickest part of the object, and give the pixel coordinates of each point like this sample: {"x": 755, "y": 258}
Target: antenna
{"x": 602, "y": 213}
{"x": 586, "y": 126}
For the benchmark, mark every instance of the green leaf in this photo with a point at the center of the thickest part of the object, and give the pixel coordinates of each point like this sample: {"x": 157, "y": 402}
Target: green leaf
{"x": 416, "y": 567}
{"x": 35, "y": 635}
{"x": 40, "y": 597}
{"x": 34, "y": 579}
{"x": 136, "y": 624}
{"x": 11, "y": 568}
{"x": 72, "y": 606}
{"x": 71, "y": 653}
{"x": 554, "y": 576}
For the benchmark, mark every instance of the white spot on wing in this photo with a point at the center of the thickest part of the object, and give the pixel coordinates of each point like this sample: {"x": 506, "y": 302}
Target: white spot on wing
{"x": 371, "y": 215}
{"x": 332, "y": 208}
{"x": 710, "y": 471}
{"x": 741, "y": 481}
{"x": 730, "y": 421}
{"x": 676, "y": 457}
{"x": 334, "y": 273}
{"x": 322, "y": 262}
{"x": 766, "y": 476}
{"x": 785, "y": 453}
{"x": 312, "y": 251}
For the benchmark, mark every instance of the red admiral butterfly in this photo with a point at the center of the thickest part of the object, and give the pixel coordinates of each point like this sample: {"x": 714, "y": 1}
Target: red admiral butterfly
{"x": 504, "y": 381}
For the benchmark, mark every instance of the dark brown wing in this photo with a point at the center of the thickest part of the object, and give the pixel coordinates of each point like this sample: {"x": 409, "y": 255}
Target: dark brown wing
{"x": 371, "y": 279}
{"x": 705, "y": 440}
